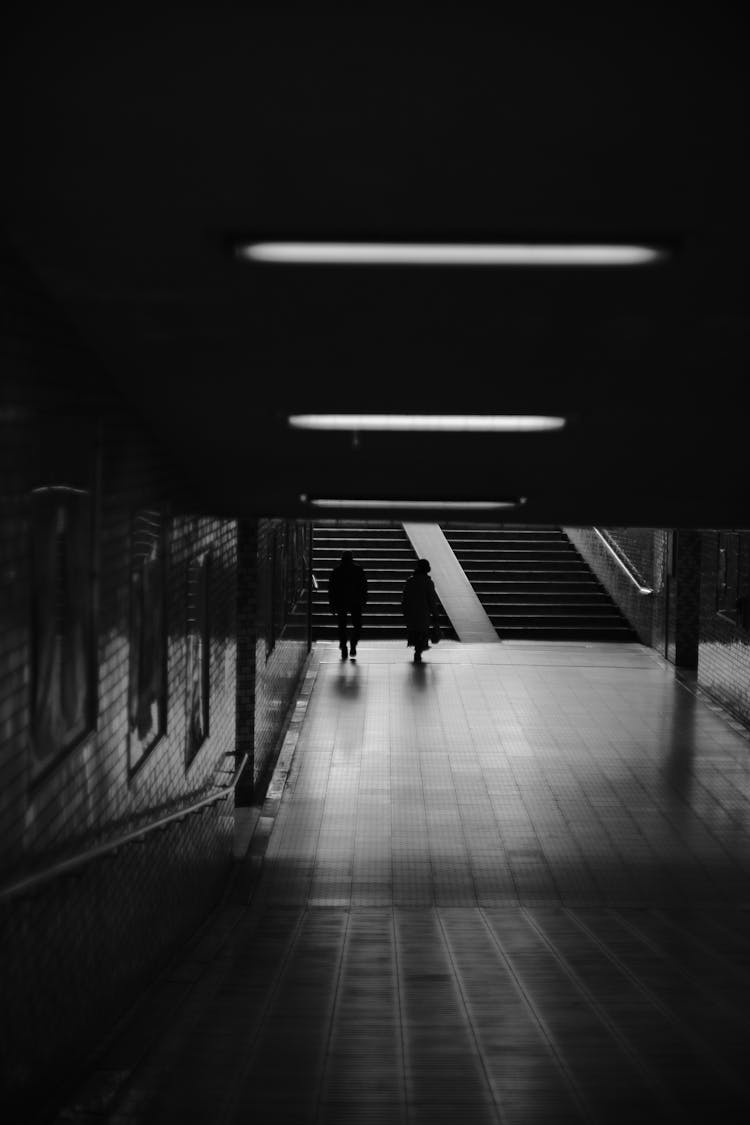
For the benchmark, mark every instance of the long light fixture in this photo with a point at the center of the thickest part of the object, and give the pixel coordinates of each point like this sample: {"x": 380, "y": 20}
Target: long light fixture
{"x": 65, "y": 489}
{"x": 440, "y": 423}
{"x": 414, "y": 505}
{"x": 451, "y": 254}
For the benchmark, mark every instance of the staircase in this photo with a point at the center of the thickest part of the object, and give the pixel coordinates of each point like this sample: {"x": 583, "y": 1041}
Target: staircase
{"x": 534, "y": 585}
{"x": 384, "y": 551}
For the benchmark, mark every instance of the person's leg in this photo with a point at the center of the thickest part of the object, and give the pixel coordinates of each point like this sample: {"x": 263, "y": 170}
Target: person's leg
{"x": 341, "y": 623}
{"x": 356, "y": 615}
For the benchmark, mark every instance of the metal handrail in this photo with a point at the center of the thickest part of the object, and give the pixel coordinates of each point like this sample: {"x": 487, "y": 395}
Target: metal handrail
{"x": 622, "y": 566}
{"x": 66, "y": 866}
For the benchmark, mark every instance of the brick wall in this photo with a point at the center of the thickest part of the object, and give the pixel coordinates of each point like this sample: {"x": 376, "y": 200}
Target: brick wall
{"x": 724, "y": 645}
{"x": 75, "y": 949}
{"x": 644, "y": 550}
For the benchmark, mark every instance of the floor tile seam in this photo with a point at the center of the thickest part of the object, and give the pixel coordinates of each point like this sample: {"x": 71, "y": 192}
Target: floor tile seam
{"x": 711, "y": 845}
{"x": 701, "y": 1046}
{"x": 332, "y": 1008}
{"x": 647, "y": 1073}
{"x": 724, "y": 783}
{"x": 721, "y": 805}
{"x": 537, "y": 1018}
{"x": 399, "y": 998}
{"x": 467, "y": 849}
{"x": 284, "y": 770}
{"x": 531, "y": 822}
{"x": 695, "y": 982}
{"x": 491, "y": 804}
{"x": 626, "y": 810}
{"x": 225, "y": 1114}
{"x": 605, "y": 835}
{"x": 363, "y": 821}
{"x": 299, "y": 755}
{"x": 691, "y": 685}
{"x": 663, "y": 812}
{"x": 479, "y": 1053}
{"x": 706, "y": 949}
{"x": 211, "y": 976}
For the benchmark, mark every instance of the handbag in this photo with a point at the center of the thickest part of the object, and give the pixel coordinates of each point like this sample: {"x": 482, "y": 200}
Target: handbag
{"x": 435, "y": 634}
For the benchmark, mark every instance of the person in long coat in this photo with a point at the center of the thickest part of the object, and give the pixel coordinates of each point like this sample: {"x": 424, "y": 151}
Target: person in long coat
{"x": 419, "y": 604}
{"x": 347, "y": 597}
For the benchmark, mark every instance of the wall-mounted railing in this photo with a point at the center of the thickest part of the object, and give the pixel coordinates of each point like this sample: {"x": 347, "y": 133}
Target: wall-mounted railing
{"x": 621, "y": 563}
{"x": 74, "y": 863}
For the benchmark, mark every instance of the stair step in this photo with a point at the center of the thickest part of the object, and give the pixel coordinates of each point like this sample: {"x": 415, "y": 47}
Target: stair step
{"x": 387, "y": 535}
{"x": 380, "y": 597}
{"x": 545, "y": 609}
{"x": 521, "y": 554}
{"x": 384, "y": 574}
{"x": 376, "y": 609}
{"x": 379, "y": 630}
{"x": 460, "y": 527}
{"x": 553, "y": 557}
{"x": 593, "y": 619}
{"x": 531, "y": 581}
{"x": 470, "y": 534}
{"x": 371, "y": 554}
{"x": 533, "y": 584}
{"x": 538, "y": 582}
{"x": 384, "y": 550}
{"x": 374, "y": 585}
{"x": 469, "y": 542}
{"x": 541, "y": 573}
{"x": 546, "y": 597}
{"x": 507, "y": 544}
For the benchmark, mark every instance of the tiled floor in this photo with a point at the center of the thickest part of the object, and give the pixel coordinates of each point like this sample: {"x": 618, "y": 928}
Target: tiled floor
{"x": 510, "y": 885}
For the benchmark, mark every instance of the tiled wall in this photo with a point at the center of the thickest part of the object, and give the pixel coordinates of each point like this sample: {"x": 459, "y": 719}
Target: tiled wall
{"x": 724, "y": 646}
{"x": 681, "y": 619}
{"x": 75, "y": 956}
{"x": 645, "y": 550}
{"x": 90, "y": 793}
{"x": 74, "y": 950}
{"x": 271, "y": 653}
{"x": 660, "y": 582}
{"x": 682, "y": 649}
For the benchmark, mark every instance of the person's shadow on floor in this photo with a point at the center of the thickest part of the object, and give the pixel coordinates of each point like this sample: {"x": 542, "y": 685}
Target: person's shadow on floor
{"x": 419, "y": 676}
{"x": 347, "y": 683}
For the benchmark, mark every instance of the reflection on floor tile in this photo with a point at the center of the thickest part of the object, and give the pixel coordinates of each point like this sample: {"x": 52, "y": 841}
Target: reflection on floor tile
{"x": 508, "y": 886}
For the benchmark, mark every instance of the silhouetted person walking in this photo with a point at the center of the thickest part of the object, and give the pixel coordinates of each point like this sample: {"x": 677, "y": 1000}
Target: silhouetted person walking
{"x": 347, "y": 595}
{"x": 420, "y": 608}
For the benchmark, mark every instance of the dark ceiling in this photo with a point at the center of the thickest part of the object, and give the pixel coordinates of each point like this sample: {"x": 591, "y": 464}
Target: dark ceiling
{"x": 134, "y": 152}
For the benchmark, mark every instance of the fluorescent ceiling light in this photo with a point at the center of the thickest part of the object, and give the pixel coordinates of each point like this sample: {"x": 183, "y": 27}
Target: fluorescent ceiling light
{"x": 64, "y": 488}
{"x": 440, "y": 423}
{"x": 425, "y": 505}
{"x": 451, "y": 254}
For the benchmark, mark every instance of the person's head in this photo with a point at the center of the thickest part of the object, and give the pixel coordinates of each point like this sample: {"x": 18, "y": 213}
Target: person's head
{"x": 347, "y": 558}
{"x": 423, "y": 566}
